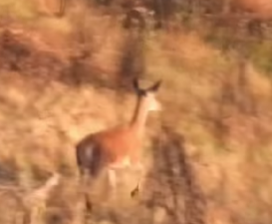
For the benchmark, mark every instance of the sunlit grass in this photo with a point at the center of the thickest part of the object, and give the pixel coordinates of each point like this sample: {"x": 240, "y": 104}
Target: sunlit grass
{"x": 39, "y": 127}
{"x": 23, "y": 10}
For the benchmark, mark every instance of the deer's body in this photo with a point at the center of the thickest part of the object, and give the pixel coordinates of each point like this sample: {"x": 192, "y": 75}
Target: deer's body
{"x": 107, "y": 148}
{"x": 119, "y": 147}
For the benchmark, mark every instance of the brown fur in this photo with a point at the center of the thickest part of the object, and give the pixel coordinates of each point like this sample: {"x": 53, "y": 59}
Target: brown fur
{"x": 116, "y": 142}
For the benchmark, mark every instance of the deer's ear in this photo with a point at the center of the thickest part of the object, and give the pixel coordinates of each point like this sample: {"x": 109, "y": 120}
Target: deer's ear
{"x": 156, "y": 86}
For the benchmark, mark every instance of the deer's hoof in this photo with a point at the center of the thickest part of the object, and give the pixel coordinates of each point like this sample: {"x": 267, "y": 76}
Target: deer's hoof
{"x": 135, "y": 192}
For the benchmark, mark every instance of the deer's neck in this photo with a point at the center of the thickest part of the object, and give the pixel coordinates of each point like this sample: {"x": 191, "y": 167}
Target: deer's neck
{"x": 139, "y": 118}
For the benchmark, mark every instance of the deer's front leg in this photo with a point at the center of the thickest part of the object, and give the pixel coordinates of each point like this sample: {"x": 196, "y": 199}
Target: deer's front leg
{"x": 140, "y": 168}
{"x": 112, "y": 178}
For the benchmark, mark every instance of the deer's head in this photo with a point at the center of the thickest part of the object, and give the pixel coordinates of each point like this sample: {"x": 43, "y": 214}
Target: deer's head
{"x": 148, "y": 95}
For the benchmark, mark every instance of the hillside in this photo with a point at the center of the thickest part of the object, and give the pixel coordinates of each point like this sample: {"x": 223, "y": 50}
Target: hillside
{"x": 63, "y": 75}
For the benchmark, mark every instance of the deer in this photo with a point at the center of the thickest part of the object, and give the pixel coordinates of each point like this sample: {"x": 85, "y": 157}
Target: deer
{"x": 118, "y": 148}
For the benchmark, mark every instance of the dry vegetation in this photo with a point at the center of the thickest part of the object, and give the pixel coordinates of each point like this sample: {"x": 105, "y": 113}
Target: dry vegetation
{"x": 62, "y": 78}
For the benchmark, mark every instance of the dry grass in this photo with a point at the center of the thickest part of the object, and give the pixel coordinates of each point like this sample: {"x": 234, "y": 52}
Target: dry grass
{"x": 218, "y": 102}
{"x": 222, "y": 109}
